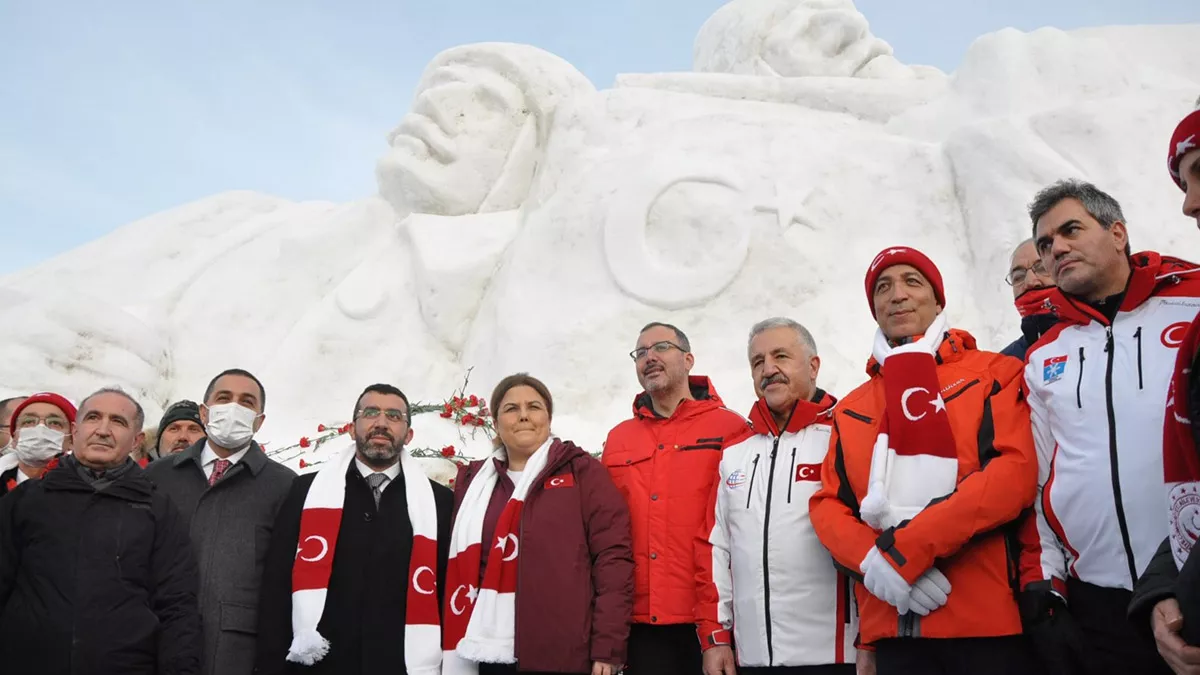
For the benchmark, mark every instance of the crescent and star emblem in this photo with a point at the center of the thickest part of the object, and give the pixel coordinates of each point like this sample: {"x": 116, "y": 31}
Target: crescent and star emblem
{"x": 417, "y": 584}
{"x": 1172, "y": 336}
{"x": 472, "y": 593}
{"x": 502, "y": 544}
{"x": 938, "y": 404}
{"x": 320, "y": 556}
{"x": 556, "y": 482}
{"x": 805, "y": 472}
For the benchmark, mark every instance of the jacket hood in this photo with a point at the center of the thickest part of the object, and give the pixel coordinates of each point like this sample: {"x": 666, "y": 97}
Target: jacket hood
{"x": 1150, "y": 273}
{"x": 952, "y": 348}
{"x": 702, "y": 391}
{"x": 803, "y": 414}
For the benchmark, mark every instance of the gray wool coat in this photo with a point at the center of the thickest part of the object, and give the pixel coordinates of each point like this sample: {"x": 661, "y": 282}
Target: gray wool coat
{"x": 230, "y": 524}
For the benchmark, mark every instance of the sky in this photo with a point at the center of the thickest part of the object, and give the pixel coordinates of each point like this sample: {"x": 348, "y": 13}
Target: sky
{"x": 112, "y": 111}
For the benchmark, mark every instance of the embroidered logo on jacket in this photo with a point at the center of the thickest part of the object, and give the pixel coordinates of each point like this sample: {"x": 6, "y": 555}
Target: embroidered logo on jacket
{"x": 1172, "y": 336}
{"x": 1054, "y": 368}
{"x": 735, "y": 479}
{"x": 565, "y": 480}
{"x": 810, "y": 472}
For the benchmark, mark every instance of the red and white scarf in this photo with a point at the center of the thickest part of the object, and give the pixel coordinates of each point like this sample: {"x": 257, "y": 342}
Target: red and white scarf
{"x": 1181, "y": 465}
{"x": 914, "y": 460}
{"x": 319, "y": 524}
{"x": 481, "y": 622}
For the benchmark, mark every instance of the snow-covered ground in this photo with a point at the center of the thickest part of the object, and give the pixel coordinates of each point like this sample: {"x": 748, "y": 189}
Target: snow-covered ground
{"x": 709, "y": 199}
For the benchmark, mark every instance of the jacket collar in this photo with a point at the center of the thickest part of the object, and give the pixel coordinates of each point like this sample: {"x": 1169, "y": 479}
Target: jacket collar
{"x": 956, "y": 344}
{"x": 254, "y": 459}
{"x": 702, "y": 391}
{"x": 132, "y": 486}
{"x": 803, "y": 414}
{"x": 1150, "y": 272}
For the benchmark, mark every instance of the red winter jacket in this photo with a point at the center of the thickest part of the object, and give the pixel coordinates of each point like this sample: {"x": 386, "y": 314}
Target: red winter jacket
{"x": 665, "y": 467}
{"x": 574, "y": 579}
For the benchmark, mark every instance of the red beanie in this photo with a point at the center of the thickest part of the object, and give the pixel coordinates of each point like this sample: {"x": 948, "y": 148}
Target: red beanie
{"x": 45, "y": 397}
{"x": 1185, "y": 139}
{"x": 903, "y": 255}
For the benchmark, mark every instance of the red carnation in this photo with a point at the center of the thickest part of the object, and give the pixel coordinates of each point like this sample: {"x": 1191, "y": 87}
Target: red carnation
{"x": 303, "y": 464}
{"x": 474, "y": 399}
{"x": 446, "y": 415}
{"x": 320, "y": 428}
{"x": 448, "y": 451}
{"x": 304, "y": 443}
{"x": 468, "y": 419}
{"x": 479, "y": 421}
{"x": 11, "y": 484}
{"x": 345, "y": 428}
{"x": 447, "y": 407}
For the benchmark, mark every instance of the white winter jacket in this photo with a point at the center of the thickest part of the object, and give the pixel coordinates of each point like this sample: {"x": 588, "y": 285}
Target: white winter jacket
{"x": 761, "y": 571}
{"x": 1097, "y": 391}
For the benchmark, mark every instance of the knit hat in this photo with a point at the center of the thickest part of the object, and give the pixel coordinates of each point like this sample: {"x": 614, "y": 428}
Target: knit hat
{"x": 186, "y": 411}
{"x": 1185, "y": 139}
{"x": 55, "y": 400}
{"x": 903, "y": 255}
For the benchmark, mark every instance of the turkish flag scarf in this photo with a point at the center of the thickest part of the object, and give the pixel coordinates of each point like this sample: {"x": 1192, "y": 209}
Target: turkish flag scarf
{"x": 1181, "y": 465}
{"x": 319, "y": 524}
{"x": 480, "y": 622}
{"x": 915, "y": 459}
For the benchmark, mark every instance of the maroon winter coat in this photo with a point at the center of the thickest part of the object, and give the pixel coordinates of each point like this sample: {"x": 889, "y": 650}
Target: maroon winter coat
{"x": 575, "y": 575}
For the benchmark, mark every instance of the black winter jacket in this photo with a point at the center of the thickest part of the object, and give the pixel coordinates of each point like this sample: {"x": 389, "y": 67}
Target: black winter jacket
{"x": 96, "y": 582}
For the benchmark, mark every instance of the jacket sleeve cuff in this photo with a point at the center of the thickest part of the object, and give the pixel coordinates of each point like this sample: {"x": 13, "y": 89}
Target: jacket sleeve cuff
{"x": 713, "y": 635}
{"x": 907, "y": 558}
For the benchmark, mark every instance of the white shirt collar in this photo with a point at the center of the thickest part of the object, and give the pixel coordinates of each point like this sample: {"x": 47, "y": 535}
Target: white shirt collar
{"x": 208, "y": 455}
{"x": 391, "y": 472}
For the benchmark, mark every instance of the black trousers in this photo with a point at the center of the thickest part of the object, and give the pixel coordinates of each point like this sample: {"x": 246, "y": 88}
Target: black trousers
{"x": 831, "y": 669}
{"x": 1112, "y": 645}
{"x": 1008, "y": 655}
{"x": 664, "y": 650}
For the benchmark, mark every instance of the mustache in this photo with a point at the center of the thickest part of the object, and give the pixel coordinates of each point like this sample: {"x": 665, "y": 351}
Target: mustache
{"x": 381, "y": 433}
{"x": 774, "y": 379}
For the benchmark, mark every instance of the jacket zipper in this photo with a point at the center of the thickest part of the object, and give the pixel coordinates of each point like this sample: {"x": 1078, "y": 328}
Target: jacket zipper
{"x": 1079, "y": 382}
{"x": 766, "y": 561}
{"x": 750, "y": 491}
{"x": 792, "y": 480}
{"x": 1138, "y": 334}
{"x": 1112, "y": 456}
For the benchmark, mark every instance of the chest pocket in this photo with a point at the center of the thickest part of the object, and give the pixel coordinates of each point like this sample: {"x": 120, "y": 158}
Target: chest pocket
{"x": 627, "y": 464}
{"x": 695, "y": 465}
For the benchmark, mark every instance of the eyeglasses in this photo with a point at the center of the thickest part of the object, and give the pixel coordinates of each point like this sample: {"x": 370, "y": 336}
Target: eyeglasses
{"x": 393, "y": 414}
{"x": 658, "y": 347}
{"x": 1018, "y": 274}
{"x": 52, "y": 422}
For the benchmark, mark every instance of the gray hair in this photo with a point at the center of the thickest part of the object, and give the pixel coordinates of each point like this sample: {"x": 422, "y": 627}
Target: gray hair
{"x": 1098, "y": 203}
{"x": 139, "y": 415}
{"x": 783, "y": 322}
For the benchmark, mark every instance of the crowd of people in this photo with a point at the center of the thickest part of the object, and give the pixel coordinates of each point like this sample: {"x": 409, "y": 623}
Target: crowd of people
{"x": 1031, "y": 510}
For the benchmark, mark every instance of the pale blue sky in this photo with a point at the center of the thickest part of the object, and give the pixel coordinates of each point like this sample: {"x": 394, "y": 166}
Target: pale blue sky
{"x": 115, "y": 110}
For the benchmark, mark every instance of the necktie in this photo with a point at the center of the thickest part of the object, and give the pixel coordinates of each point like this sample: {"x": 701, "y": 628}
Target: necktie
{"x": 219, "y": 470}
{"x": 377, "y": 481}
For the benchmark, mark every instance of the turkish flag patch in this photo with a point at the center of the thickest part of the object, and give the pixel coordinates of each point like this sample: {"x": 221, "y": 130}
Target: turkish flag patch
{"x": 808, "y": 472}
{"x": 563, "y": 481}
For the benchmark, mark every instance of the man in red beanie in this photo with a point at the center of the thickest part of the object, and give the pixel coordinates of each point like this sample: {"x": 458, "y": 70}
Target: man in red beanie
{"x": 1096, "y": 384}
{"x": 1169, "y": 588}
{"x": 929, "y": 464}
{"x": 41, "y": 427}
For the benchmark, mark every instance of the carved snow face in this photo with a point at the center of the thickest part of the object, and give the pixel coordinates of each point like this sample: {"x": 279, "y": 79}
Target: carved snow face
{"x": 452, "y": 150}
{"x": 821, "y": 37}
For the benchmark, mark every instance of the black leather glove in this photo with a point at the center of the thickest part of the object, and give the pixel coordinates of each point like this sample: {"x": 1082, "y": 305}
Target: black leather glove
{"x": 1056, "y": 637}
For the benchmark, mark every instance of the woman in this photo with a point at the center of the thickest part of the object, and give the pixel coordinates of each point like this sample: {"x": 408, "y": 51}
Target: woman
{"x": 541, "y": 570}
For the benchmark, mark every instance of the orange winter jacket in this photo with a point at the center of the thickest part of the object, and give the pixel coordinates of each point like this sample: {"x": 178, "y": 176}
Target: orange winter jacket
{"x": 665, "y": 467}
{"x": 971, "y": 534}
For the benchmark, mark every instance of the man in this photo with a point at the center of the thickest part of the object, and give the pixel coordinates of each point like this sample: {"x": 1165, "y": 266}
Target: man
{"x": 96, "y": 572}
{"x": 180, "y": 428}
{"x": 1096, "y": 384}
{"x": 6, "y": 409}
{"x": 229, "y": 493}
{"x": 357, "y": 559}
{"x": 929, "y": 464}
{"x": 764, "y": 582}
{"x": 1171, "y": 579}
{"x": 664, "y": 461}
{"x": 39, "y": 426}
{"x": 1031, "y": 287}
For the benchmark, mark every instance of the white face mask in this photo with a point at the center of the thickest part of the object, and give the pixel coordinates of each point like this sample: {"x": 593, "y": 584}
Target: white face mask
{"x": 37, "y": 445}
{"x": 230, "y": 425}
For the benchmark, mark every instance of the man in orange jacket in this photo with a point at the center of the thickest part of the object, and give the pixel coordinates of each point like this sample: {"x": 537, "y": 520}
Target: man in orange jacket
{"x": 930, "y": 462}
{"x": 664, "y": 461}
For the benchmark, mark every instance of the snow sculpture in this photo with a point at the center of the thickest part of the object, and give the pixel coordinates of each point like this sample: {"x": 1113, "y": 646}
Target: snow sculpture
{"x": 479, "y": 121}
{"x": 795, "y": 38}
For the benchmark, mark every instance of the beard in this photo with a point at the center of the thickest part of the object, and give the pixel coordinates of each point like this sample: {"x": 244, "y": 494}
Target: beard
{"x": 379, "y": 456}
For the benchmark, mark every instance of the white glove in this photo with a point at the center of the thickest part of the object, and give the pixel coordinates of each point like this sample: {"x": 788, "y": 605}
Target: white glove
{"x": 884, "y": 582}
{"x": 930, "y": 592}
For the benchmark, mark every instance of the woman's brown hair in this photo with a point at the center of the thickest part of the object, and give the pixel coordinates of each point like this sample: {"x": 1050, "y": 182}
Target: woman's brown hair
{"x": 518, "y": 380}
